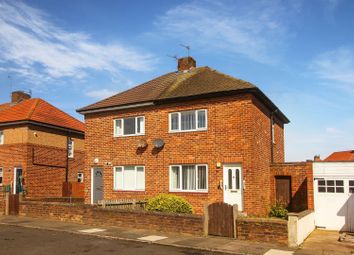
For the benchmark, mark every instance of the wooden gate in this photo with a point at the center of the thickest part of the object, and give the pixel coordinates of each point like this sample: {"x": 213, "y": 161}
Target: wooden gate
{"x": 221, "y": 220}
{"x": 14, "y": 204}
{"x": 283, "y": 190}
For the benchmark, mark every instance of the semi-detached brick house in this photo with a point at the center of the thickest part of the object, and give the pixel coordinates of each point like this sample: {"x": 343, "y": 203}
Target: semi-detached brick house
{"x": 195, "y": 132}
{"x": 41, "y": 147}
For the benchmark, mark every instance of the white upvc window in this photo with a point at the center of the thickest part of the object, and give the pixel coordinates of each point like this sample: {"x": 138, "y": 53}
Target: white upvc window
{"x": 184, "y": 121}
{"x": 129, "y": 126}
{"x": 70, "y": 148}
{"x": 129, "y": 178}
{"x": 80, "y": 177}
{"x": 1, "y": 176}
{"x": 189, "y": 178}
{"x": 1, "y": 137}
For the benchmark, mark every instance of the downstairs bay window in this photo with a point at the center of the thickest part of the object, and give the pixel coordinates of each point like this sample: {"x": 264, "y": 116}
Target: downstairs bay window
{"x": 189, "y": 178}
{"x": 129, "y": 178}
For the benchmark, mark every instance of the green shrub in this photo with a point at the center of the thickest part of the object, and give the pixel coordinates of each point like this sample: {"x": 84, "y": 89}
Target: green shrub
{"x": 279, "y": 211}
{"x": 168, "y": 203}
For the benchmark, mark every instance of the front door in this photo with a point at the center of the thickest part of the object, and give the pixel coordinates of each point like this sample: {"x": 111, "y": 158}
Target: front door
{"x": 97, "y": 184}
{"x": 18, "y": 180}
{"x": 233, "y": 185}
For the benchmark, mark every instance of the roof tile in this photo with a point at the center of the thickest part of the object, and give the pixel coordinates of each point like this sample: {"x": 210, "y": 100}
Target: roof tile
{"x": 340, "y": 156}
{"x": 38, "y": 110}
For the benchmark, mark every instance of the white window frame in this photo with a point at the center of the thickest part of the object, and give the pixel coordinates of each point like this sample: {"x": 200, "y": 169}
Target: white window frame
{"x": 2, "y": 137}
{"x": 196, "y": 179}
{"x": 334, "y": 186}
{"x": 115, "y": 188}
{"x": 71, "y": 152}
{"x": 2, "y": 175}
{"x": 136, "y": 126}
{"x": 82, "y": 178}
{"x": 196, "y": 121}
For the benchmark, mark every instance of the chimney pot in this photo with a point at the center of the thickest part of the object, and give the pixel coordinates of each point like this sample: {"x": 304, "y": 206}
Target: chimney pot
{"x": 18, "y": 96}
{"x": 317, "y": 158}
{"x": 186, "y": 63}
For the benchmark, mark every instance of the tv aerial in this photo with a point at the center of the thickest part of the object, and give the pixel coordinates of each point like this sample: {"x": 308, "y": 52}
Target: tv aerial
{"x": 188, "y": 48}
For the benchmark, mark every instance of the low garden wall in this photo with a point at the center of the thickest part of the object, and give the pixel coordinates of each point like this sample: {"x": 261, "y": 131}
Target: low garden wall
{"x": 300, "y": 226}
{"x": 262, "y": 230}
{"x": 93, "y": 215}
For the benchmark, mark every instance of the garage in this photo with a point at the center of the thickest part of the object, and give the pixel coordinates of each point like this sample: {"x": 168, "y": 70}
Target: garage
{"x": 334, "y": 195}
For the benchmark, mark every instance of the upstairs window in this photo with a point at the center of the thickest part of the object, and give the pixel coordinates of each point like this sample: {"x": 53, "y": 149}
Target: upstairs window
{"x": 70, "y": 148}
{"x": 195, "y": 120}
{"x": 1, "y": 137}
{"x": 129, "y": 126}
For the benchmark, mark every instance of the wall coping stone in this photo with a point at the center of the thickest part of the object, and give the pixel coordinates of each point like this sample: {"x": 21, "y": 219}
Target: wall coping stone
{"x": 263, "y": 220}
{"x": 300, "y": 214}
{"x": 131, "y": 211}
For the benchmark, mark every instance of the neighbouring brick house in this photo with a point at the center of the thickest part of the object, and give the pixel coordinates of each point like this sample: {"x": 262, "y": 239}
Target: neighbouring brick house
{"x": 196, "y": 132}
{"x": 41, "y": 147}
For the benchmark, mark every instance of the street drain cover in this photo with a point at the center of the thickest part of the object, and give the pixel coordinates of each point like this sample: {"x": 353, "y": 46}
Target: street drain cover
{"x": 152, "y": 238}
{"x": 92, "y": 230}
{"x": 278, "y": 252}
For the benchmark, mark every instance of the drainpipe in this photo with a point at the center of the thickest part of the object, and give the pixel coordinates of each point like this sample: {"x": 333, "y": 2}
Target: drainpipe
{"x": 271, "y": 136}
{"x": 67, "y": 158}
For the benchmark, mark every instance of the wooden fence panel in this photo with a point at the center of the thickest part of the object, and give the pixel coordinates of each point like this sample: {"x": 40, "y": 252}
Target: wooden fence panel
{"x": 221, "y": 220}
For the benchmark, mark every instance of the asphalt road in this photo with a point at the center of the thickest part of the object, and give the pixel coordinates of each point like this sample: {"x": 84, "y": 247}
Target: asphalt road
{"x": 26, "y": 241}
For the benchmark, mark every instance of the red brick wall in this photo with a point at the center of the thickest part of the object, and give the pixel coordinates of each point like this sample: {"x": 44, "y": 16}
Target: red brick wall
{"x": 11, "y": 156}
{"x": 43, "y": 167}
{"x": 301, "y": 183}
{"x": 238, "y": 132}
{"x": 189, "y": 224}
{"x": 2, "y": 203}
{"x": 262, "y": 230}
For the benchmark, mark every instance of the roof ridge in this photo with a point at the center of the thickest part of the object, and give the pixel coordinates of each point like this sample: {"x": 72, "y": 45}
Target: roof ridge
{"x": 125, "y": 91}
{"x": 178, "y": 82}
{"x": 34, "y": 106}
{"x": 231, "y": 77}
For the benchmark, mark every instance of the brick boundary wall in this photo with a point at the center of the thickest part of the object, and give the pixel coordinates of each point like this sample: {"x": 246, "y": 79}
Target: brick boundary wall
{"x": 301, "y": 184}
{"x": 87, "y": 214}
{"x": 262, "y": 230}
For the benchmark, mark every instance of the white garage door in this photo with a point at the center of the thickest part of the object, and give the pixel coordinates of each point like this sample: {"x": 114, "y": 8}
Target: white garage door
{"x": 334, "y": 203}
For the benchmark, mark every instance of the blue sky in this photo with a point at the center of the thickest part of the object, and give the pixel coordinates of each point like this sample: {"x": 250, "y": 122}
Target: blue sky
{"x": 300, "y": 53}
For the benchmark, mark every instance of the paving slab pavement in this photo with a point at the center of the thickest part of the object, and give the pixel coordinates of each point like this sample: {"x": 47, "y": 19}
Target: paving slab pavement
{"x": 216, "y": 244}
{"x": 319, "y": 242}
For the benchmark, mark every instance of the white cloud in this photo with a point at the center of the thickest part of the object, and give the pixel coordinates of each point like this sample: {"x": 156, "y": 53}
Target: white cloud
{"x": 335, "y": 67}
{"x": 36, "y": 48}
{"x": 255, "y": 30}
{"x": 100, "y": 94}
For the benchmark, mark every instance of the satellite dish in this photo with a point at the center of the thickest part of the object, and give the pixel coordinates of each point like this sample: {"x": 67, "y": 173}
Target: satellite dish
{"x": 142, "y": 143}
{"x": 159, "y": 143}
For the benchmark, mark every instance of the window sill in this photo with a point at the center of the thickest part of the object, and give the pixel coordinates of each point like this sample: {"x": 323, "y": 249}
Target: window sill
{"x": 125, "y": 191}
{"x": 189, "y": 191}
{"x": 122, "y": 136}
{"x": 187, "y": 131}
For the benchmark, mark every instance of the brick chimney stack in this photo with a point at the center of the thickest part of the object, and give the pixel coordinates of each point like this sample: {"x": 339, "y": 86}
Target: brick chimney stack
{"x": 186, "y": 63}
{"x": 317, "y": 158}
{"x": 18, "y": 96}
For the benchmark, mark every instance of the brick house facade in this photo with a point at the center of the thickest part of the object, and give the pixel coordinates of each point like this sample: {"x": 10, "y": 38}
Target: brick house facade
{"x": 34, "y": 137}
{"x": 239, "y": 134}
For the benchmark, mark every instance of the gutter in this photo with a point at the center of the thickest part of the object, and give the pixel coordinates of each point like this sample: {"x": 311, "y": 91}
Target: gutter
{"x": 21, "y": 122}
{"x": 114, "y": 108}
{"x": 256, "y": 91}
